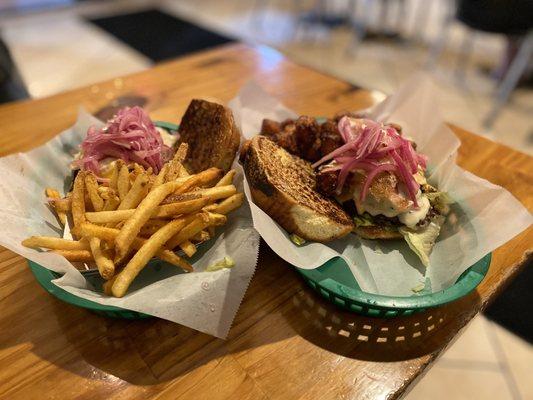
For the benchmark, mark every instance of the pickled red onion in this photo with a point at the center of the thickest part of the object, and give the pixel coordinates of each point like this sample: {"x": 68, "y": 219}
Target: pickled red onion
{"x": 375, "y": 148}
{"x": 131, "y": 136}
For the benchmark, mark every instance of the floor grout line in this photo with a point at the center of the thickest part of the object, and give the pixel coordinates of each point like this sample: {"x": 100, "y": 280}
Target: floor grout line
{"x": 473, "y": 365}
{"x": 504, "y": 362}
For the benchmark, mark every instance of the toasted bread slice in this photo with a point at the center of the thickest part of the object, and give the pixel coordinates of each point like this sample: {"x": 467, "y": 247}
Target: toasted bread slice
{"x": 284, "y": 187}
{"x": 213, "y": 138}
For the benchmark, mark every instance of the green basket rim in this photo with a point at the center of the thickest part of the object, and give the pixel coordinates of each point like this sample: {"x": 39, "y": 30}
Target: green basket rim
{"x": 45, "y": 277}
{"x": 467, "y": 282}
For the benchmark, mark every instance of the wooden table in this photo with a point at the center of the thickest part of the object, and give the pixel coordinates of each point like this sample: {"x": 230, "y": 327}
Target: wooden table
{"x": 286, "y": 343}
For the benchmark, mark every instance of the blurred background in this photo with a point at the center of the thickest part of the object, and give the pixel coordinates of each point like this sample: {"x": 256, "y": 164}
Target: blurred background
{"x": 479, "y": 52}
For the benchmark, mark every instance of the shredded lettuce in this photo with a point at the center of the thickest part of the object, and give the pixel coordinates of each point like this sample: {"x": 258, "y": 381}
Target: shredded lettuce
{"x": 297, "y": 240}
{"x": 440, "y": 201}
{"x": 423, "y": 240}
{"x": 363, "y": 220}
{"x": 226, "y": 262}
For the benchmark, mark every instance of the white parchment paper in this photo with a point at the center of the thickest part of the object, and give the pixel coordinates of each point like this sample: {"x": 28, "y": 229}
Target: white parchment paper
{"x": 484, "y": 217}
{"x": 205, "y": 301}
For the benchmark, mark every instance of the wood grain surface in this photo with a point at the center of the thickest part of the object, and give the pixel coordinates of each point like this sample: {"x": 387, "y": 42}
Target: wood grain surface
{"x": 286, "y": 343}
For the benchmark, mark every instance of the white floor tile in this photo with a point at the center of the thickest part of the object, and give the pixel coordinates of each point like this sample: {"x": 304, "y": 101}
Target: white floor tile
{"x": 473, "y": 346}
{"x": 519, "y": 359}
{"x": 460, "y": 384}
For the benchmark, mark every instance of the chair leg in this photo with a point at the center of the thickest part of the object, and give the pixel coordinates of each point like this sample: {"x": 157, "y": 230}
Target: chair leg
{"x": 465, "y": 54}
{"x": 358, "y": 25}
{"x": 509, "y": 82}
{"x": 439, "y": 45}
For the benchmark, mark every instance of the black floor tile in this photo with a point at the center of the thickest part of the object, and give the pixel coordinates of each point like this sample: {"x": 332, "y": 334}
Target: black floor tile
{"x": 158, "y": 35}
{"x": 513, "y": 309}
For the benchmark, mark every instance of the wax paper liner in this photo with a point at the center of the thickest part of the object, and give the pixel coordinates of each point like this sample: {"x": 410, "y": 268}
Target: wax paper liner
{"x": 205, "y": 301}
{"x": 484, "y": 217}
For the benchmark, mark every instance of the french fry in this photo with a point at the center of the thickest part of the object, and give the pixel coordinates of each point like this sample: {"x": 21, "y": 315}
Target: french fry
{"x": 54, "y": 243}
{"x": 109, "y": 234}
{"x": 75, "y": 255}
{"x": 107, "y": 285}
{"x": 61, "y": 214}
{"x": 136, "y": 193}
{"x": 111, "y": 203}
{"x": 123, "y": 183}
{"x": 211, "y": 231}
{"x": 176, "y": 168}
{"x": 217, "y": 193}
{"x": 152, "y": 226}
{"x": 106, "y": 192}
{"x": 92, "y": 189}
{"x": 199, "y": 223}
{"x": 143, "y": 255}
{"x": 133, "y": 225}
{"x": 113, "y": 179}
{"x": 229, "y": 204}
{"x": 226, "y": 179}
{"x": 201, "y": 236}
{"x": 78, "y": 199}
{"x": 105, "y": 265}
{"x": 160, "y": 178}
{"x": 163, "y": 211}
{"x": 176, "y": 198}
{"x": 200, "y": 179}
{"x": 188, "y": 248}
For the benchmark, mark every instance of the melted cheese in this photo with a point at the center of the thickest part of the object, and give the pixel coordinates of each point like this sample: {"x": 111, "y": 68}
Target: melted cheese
{"x": 409, "y": 218}
{"x": 414, "y": 216}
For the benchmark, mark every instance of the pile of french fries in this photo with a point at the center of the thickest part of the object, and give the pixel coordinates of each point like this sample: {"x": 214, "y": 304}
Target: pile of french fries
{"x": 132, "y": 215}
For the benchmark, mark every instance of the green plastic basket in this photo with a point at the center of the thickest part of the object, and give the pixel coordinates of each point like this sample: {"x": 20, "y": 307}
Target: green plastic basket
{"x": 45, "y": 277}
{"x": 335, "y": 282}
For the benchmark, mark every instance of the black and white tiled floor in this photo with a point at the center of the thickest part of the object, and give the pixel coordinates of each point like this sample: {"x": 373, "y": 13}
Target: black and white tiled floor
{"x": 58, "y": 49}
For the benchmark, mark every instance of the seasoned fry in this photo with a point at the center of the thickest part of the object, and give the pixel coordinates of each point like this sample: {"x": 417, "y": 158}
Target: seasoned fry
{"x": 78, "y": 199}
{"x": 211, "y": 231}
{"x": 176, "y": 198}
{"x": 199, "y": 223}
{"x": 133, "y": 225}
{"x": 106, "y": 192}
{"x": 217, "y": 193}
{"x": 123, "y": 184}
{"x": 176, "y": 168}
{"x": 55, "y": 198}
{"x": 54, "y": 243}
{"x": 62, "y": 205}
{"x": 229, "y": 204}
{"x": 143, "y": 255}
{"x": 163, "y": 211}
{"x": 105, "y": 265}
{"x": 160, "y": 179}
{"x": 199, "y": 179}
{"x": 92, "y": 189}
{"x": 152, "y": 226}
{"x": 113, "y": 179}
{"x": 109, "y": 235}
{"x": 226, "y": 179}
{"x": 201, "y": 236}
{"x": 188, "y": 248}
{"x": 107, "y": 285}
{"x": 52, "y": 193}
{"x": 136, "y": 193}
{"x": 75, "y": 255}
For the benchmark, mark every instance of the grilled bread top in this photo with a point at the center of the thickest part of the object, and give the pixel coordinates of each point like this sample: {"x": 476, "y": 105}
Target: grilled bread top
{"x": 213, "y": 138}
{"x": 285, "y": 187}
